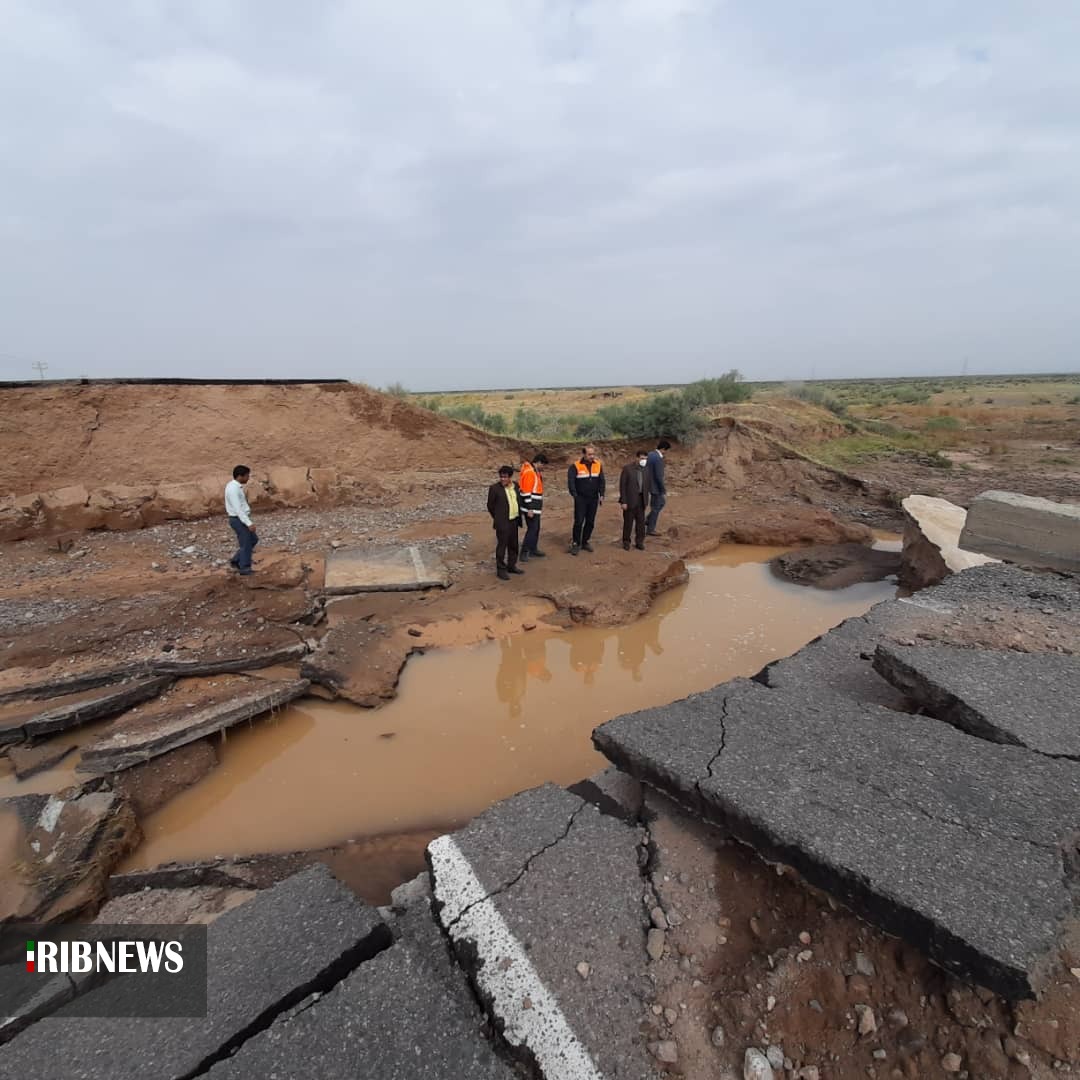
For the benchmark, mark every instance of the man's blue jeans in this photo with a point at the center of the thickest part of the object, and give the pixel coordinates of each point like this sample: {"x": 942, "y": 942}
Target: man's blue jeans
{"x": 656, "y": 504}
{"x": 247, "y": 539}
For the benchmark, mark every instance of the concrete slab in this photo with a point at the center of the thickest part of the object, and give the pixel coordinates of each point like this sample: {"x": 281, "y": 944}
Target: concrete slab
{"x": 213, "y": 662}
{"x": 56, "y": 852}
{"x": 407, "y": 1014}
{"x": 30, "y": 760}
{"x": 170, "y": 722}
{"x": 357, "y": 570}
{"x": 37, "y": 719}
{"x": 932, "y": 549}
{"x": 263, "y": 958}
{"x": 1024, "y": 699}
{"x": 1024, "y": 529}
{"x": 957, "y": 845}
{"x": 542, "y": 897}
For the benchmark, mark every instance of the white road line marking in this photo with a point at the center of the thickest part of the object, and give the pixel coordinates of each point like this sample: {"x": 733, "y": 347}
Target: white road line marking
{"x": 418, "y": 563}
{"x": 529, "y": 1011}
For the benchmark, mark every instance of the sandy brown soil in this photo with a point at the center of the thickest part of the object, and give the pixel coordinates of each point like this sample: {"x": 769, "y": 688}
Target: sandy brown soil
{"x": 756, "y": 958}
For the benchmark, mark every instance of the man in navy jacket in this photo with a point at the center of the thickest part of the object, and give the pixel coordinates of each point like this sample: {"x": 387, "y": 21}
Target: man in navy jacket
{"x": 654, "y": 475}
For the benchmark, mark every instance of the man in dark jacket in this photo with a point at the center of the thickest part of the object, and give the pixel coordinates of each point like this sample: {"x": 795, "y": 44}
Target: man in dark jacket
{"x": 657, "y": 486}
{"x": 585, "y": 478}
{"x": 504, "y": 506}
{"x": 633, "y": 494}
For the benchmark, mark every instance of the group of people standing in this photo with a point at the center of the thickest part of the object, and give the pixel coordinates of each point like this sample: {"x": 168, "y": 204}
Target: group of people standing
{"x": 512, "y": 504}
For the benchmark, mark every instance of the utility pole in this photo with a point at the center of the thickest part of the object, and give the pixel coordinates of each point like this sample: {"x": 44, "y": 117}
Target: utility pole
{"x": 41, "y": 367}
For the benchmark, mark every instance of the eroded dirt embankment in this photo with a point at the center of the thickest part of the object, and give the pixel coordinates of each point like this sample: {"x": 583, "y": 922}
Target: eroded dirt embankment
{"x": 76, "y": 458}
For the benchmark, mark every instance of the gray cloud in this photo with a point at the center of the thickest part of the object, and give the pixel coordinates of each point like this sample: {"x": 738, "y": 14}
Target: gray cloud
{"x": 506, "y": 192}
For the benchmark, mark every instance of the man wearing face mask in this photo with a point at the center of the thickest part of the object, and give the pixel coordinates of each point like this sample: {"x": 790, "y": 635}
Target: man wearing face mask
{"x": 633, "y": 495}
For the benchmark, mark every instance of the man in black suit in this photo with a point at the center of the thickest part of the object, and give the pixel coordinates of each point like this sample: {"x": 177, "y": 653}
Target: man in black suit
{"x": 633, "y": 495}
{"x": 504, "y": 506}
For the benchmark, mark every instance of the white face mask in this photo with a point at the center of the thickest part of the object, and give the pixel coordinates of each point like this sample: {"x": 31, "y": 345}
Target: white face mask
{"x": 642, "y": 462}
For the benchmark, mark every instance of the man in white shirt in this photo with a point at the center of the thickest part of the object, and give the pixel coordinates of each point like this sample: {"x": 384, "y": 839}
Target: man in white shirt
{"x": 239, "y": 513}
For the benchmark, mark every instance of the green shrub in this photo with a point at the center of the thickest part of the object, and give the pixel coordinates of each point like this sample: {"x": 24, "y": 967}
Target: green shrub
{"x": 815, "y": 395}
{"x": 396, "y": 389}
{"x": 663, "y": 414}
{"x": 942, "y": 423}
{"x": 723, "y": 390}
{"x": 527, "y": 421}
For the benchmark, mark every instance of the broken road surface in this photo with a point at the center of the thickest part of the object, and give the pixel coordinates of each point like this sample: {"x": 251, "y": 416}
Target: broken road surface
{"x": 903, "y": 818}
{"x": 542, "y": 898}
{"x": 1026, "y": 699}
{"x": 311, "y": 919}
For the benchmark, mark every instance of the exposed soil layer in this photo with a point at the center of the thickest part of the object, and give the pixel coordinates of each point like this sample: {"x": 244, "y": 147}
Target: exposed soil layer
{"x": 755, "y": 952}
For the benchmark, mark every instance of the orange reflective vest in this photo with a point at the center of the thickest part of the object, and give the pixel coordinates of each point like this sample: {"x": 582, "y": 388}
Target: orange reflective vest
{"x": 532, "y": 488}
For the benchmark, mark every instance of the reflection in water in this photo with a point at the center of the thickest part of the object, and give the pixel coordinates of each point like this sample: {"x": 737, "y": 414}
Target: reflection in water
{"x": 586, "y": 655}
{"x": 471, "y": 726}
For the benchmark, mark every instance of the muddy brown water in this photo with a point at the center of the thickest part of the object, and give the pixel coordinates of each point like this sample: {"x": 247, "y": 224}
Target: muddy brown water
{"x": 473, "y": 725}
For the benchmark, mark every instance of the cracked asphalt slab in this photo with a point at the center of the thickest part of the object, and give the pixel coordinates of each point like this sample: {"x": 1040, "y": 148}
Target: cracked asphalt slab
{"x": 542, "y": 897}
{"x": 406, "y": 1014}
{"x": 903, "y": 818}
{"x": 326, "y": 931}
{"x": 981, "y": 607}
{"x": 1025, "y": 699}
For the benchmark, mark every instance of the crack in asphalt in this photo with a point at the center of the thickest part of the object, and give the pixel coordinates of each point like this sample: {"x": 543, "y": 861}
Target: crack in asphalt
{"x": 506, "y": 886}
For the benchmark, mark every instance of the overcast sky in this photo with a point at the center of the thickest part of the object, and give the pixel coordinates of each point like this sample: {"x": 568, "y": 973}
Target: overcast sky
{"x": 517, "y": 192}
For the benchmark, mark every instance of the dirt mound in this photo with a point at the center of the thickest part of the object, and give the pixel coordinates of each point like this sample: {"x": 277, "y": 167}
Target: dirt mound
{"x": 785, "y": 418}
{"x": 95, "y": 436}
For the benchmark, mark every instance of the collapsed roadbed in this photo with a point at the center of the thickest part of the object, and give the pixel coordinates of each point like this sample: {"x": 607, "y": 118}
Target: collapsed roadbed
{"x": 605, "y": 931}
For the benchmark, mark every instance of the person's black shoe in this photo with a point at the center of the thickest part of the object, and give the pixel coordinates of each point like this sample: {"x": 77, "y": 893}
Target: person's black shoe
{"x": 574, "y": 549}
{"x": 652, "y": 532}
{"x": 626, "y": 545}
{"x": 516, "y": 570}
{"x": 502, "y": 574}
{"x": 538, "y": 555}
{"x": 586, "y": 546}
{"x": 524, "y": 556}
{"x": 640, "y": 547}
{"x": 245, "y": 573}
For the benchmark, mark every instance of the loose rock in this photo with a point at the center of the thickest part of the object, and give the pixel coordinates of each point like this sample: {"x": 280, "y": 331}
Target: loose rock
{"x": 655, "y": 944}
{"x": 867, "y": 1020}
{"x": 666, "y": 1051}
{"x": 718, "y": 1037}
{"x": 756, "y": 1066}
{"x": 952, "y": 1063}
{"x": 775, "y": 1056}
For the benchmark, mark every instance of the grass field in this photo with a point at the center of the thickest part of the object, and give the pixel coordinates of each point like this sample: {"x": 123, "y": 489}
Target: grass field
{"x": 931, "y": 420}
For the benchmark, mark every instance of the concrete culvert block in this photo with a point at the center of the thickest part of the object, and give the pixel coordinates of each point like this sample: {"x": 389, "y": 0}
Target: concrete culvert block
{"x": 932, "y": 542}
{"x": 1024, "y": 529}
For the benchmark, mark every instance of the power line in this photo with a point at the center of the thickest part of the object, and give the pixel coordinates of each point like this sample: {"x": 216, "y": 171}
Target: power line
{"x": 40, "y": 366}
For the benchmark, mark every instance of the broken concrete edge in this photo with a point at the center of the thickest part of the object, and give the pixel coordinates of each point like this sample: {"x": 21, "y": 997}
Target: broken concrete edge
{"x": 889, "y": 662}
{"x": 101, "y": 758}
{"x": 1024, "y": 529}
{"x": 65, "y": 717}
{"x": 174, "y": 668}
{"x": 891, "y": 915}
